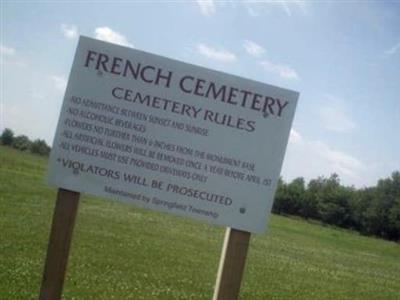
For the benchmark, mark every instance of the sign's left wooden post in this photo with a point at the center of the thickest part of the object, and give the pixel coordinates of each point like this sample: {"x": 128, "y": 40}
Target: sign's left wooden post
{"x": 59, "y": 243}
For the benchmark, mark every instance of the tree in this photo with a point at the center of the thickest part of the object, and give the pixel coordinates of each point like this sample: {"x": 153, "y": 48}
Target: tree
{"x": 386, "y": 208}
{"x": 326, "y": 199}
{"x": 289, "y": 197}
{"x": 313, "y": 197}
{"x": 40, "y": 147}
{"x": 279, "y": 197}
{"x": 376, "y": 210}
{"x": 21, "y": 142}
{"x": 295, "y": 196}
{"x": 7, "y": 137}
{"x": 394, "y": 220}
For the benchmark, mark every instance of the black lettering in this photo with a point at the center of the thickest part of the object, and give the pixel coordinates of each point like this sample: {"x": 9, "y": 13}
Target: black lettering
{"x": 181, "y": 84}
{"x": 102, "y": 60}
{"x": 114, "y": 92}
{"x": 115, "y": 65}
{"x": 89, "y": 57}
{"x": 142, "y": 74}
{"x": 161, "y": 76}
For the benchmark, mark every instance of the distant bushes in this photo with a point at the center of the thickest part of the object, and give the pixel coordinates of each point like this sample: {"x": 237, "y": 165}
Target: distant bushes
{"x": 23, "y": 143}
{"x": 371, "y": 211}
{"x": 40, "y": 147}
{"x": 7, "y": 137}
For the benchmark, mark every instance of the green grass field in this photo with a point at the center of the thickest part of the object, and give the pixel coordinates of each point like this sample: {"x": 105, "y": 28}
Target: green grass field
{"x": 122, "y": 252}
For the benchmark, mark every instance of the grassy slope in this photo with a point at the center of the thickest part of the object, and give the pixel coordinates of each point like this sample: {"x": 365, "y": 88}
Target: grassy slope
{"x": 122, "y": 252}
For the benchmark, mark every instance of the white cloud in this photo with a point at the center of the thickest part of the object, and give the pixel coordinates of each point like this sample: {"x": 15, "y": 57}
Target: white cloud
{"x": 393, "y": 49}
{"x": 37, "y": 95}
{"x": 281, "y": 70}
{"x": 108, "y": 35}
{"x": 216, "y": 54}
{"x": 20, "y": 118}
{"x": 334, "y": 116}
{"x": 21, "y": 101}
{"x": 339, "y": 161}
{"x": 312, "y": 158}
{"x": 253, "y": 48}
{"x": 285, "y": 7}
{"x": 254, "y": 7}
{"x": 295, "y": 137}
{"x": 207, "y": 7}
{"x": 7, "y": 50}
{"x": 69, "y": 31}
{"x": 289, "y": 5}
{"x": 60, "y": 83}
{"x": 9, "y": 56}
{"x": 251, "y": 11}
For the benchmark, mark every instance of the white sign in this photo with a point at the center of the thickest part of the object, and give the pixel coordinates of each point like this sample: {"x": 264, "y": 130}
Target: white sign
{"x": 171, "y": 136}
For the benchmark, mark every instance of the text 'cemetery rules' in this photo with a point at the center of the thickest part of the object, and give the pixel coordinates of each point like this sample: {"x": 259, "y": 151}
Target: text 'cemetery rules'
{"x": 171, "y": 136}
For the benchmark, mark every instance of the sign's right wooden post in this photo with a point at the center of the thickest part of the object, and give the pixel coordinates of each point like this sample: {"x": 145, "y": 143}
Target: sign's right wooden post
{"x": 231, "y": 265}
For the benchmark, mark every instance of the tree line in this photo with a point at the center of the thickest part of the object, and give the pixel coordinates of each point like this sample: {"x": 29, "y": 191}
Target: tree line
{"x": 23, "y": 143}
{"x": 371, "y": 210}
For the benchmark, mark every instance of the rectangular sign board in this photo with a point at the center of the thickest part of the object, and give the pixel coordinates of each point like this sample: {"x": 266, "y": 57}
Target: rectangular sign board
{"x": 171, "y": 136}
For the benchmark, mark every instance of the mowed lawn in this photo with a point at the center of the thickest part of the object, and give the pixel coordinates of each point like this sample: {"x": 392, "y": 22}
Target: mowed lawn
{"x": 122, "y": 252}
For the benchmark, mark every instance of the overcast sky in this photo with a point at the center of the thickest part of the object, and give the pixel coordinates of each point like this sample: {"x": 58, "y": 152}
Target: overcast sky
{"x": 343, "y": 58}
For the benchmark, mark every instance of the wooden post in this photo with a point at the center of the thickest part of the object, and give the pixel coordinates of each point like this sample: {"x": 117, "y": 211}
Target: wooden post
{"x": 231, "y": 265}
{"x": 59, "y": 244}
